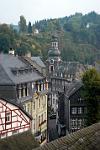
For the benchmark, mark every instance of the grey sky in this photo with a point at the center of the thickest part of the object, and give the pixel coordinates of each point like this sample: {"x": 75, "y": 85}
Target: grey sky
{"x": 33, "y": 10}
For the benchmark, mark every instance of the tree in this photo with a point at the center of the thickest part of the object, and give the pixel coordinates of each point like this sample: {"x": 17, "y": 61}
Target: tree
{"x": 22, "y": 24}
{"x": 29, "y": 28}
{"x": 7, "y": 38}
{"x": 23, "y": 49}
{"x": 91, "y": 88}
{"x": 4, "y": 43}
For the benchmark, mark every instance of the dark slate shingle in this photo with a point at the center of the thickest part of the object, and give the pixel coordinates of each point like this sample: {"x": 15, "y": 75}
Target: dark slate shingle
{"x": 7, "y": 62}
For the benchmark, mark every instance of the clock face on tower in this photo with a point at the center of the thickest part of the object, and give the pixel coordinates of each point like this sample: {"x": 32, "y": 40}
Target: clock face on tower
{"x": 51, "y": 61}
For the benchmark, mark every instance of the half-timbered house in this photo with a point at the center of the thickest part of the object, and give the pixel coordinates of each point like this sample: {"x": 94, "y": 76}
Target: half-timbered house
{"x": 13, "y": 119}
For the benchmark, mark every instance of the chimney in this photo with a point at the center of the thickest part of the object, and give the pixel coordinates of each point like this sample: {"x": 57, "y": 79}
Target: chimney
{"x": 11, "y": 51}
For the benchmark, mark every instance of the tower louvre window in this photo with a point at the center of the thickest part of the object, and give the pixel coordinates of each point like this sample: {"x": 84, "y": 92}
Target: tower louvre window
{"x": 52, "y": 68}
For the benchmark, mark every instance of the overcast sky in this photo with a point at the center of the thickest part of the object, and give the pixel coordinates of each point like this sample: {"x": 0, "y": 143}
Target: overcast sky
{"x": 33, "y": 10}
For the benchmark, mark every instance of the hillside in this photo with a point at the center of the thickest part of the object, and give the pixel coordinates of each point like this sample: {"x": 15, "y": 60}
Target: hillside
{"x": 78, "y": 35}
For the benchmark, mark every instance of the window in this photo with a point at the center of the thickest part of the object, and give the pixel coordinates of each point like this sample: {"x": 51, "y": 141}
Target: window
{"x": 34, "y": 105}
{"x": 28, "y": 108}
{"x": 52, "y": 68}
{"x": 43, "y": 86}
{"x": 44, "y": 101}
{"x": 46, "y": 85}
{"x": 53, "y": 81}
{"x": 24, "y": 107}
{"x": 39, "y": 102}
{"x": 52, "y": 61}
{"x": 56, "y": 101}
{"x": 85, "y": 110}
{"x": 53, "y": 101}
{"x": 74, "y": 110}
{"x": 79, "y": 110}
{"x": 8, "y": 117}
{"x": 19, "y": 91}
{"x": 34, "y": 124}
{"x": 42, "y": 118}
{"x": 80, "y": 99}
{"x": 26, "y": 90}
{"x": 79, "y": 123}
{"x": 33, "y": 86}
{"x": 39, "y": 87}
{"x": 36, "y": 86}
{"x": 39, "y": 120}
{"x": 61, "y": 75}
{"x": 22, "y": 91}
{"x": 73, "y": 123}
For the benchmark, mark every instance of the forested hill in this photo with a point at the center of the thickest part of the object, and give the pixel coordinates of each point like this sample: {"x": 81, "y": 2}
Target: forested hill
{"x": 79, "y": 37}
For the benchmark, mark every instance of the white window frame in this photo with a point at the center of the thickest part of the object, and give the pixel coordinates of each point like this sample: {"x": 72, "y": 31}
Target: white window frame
{"x": 79, "y": 110}
{"x": 74, "y": 110}
{"x": 74, "y": 123}
{"x": 79, "y": 123}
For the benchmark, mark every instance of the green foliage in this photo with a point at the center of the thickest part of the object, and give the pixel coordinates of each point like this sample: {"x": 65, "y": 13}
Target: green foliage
{"x": 22, "y": 24}
{"x": 23, "y": 49}
{"x": 29, "y": 28}
{"x": 23, "y": 141}
{"x": 7, "y": 38}
{"x": 79, "y": 37}
{"x": 91, "y": 89}
{"x": 4, "y": 43}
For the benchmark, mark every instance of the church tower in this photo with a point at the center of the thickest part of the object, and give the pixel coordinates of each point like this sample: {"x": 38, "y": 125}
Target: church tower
{"x": 53, "y": 55}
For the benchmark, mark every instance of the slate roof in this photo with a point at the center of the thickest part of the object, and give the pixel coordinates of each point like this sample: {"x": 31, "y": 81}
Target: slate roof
{"x": 4, "y": 78}
{"x": 68, "y": 67}
{"x": 84, "y": 139}
{"x": 38, "y": 61}
{"x": 73, "y": 87}
{"x": 8, "y": 62}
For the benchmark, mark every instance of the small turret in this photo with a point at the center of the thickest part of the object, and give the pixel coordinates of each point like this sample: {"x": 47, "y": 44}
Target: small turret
{"x": 54, "y": 50}
{"x": 53, "y": 55}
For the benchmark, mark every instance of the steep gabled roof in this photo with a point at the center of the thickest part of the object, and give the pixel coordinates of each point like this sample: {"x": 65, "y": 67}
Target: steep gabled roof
{"x": 38, "y": 61}
{"x": 73, "y": 87}
{"x": 9, "y": 63}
